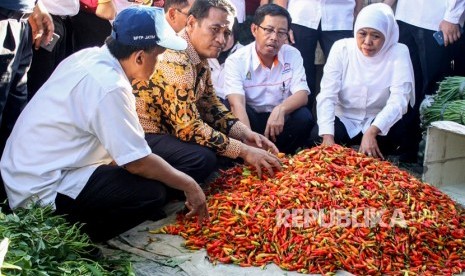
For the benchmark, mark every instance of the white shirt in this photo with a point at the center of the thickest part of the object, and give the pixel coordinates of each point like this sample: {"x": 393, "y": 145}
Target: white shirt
{"x": 265, "y": 88}
{"x": 359, "y": 102}
{"x": 217, "y": 72}
{"x": 240, "y": 9}
{"x": 428, "y": 14}
{"x": 333, "y": 14}
{"x": 82, "y": 117}
{"x": 62, "y": 7}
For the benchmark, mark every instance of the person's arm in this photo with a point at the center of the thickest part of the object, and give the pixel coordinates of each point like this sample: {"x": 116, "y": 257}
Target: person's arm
{"x": 299, "y": 88}
{"x": 106, "y": 9}
{"x": 400, "y": 94}
{"x": 154, "y": 167}
{"x": 41, "y": 25}
{"x": 264, "y": 2}
{"x": 276, "y": 121}
{"x": 237, "y": 103}
{"x": 450, "y": 26}
{"x": 115, "y": 123}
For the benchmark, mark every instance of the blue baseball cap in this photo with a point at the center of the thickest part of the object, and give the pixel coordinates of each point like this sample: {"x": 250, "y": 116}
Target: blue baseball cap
{"x": 145, "y": 26}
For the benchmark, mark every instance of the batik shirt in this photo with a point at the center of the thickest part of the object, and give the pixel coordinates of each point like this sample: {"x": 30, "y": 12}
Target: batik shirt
{"x": 180, "y": 100}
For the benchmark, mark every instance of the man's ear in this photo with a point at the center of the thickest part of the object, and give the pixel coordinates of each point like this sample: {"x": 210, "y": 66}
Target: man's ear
{"x": 172, "y": 13}
{"x": 191, "y": 21}
{"x": 253, "y": 29}
{"x": 139, "y": 57}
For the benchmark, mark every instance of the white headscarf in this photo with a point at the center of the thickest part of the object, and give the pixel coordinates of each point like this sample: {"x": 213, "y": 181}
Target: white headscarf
{"x": 376, "y": 70}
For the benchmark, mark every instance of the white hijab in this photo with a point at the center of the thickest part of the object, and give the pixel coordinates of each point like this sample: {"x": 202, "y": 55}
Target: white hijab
{"x": 377, "y": 71}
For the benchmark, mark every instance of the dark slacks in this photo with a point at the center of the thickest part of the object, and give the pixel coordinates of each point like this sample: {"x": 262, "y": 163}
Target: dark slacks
{"x": 114, "y": 201}
{"x": 44, "y": 62}
{"x": 89, "y": 30}
{"x": 296, "y": 128}
{"x": 15, "y": 58}
{"x": 306, "y": 41}
{"x": 192, "y": 159}
{"x": 392, "y": 143}
{"x": 431, "y": 64}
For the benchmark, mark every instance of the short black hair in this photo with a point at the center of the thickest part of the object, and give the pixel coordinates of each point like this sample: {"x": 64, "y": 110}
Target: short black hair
{"x": 200, "y": 8}
{"x": 272, "y": 10}
{"x": 175, "y": 3}
{"x": 121, "y": 51}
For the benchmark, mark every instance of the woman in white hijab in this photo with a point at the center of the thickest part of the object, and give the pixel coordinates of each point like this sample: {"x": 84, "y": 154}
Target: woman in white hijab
{"x": 366, "y": 87}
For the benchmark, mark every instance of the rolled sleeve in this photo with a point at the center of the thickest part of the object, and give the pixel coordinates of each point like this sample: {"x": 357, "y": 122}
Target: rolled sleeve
{"x": 395, "y": 108}
{"x": 116, "y": 125}
{"x": 454, "y": 10}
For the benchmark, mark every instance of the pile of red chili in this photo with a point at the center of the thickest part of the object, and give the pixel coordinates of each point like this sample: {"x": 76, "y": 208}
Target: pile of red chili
{"x": 330, "y": 208}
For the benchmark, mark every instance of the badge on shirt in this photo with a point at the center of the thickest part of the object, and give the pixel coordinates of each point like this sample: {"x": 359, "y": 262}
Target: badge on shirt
{"x": 248, "y": 76}
{"x": 286, "y": 68}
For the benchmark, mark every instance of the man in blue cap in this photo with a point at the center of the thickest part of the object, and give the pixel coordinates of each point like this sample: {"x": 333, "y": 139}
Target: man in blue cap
{"x": 79, "y": 146}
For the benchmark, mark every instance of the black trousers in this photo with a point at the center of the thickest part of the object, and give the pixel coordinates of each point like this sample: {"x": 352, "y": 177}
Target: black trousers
{"x": 306, "y": 41}
{"x": 431, "y": 64}
{"x": 392, "y": 143}
{"x": 296, "y": 128}
{"x": 89, "y": 30}
{"x": 44, "y": 62}
{"x": 15, "y": 58}
{"x": 195, "y": 160}
{"x": 113, "y": 201}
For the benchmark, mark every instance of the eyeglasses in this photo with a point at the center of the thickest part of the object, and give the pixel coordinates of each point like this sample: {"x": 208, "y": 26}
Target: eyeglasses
{"x": 269, "y": 31}
{"x": 180, "y": 11}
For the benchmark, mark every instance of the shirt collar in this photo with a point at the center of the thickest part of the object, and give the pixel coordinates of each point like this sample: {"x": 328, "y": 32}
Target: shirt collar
{"x": 117, "y": 65}
{"x": 256, "y": 61}
{"x": 190, "y": 50}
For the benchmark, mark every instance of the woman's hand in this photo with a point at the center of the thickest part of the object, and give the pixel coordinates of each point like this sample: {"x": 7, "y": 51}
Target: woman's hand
{"x": 328, "y": 140}
{"x": 369, "y": 144}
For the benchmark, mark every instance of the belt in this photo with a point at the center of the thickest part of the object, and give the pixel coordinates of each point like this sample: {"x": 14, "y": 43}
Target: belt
{"x": 11, "y": 14}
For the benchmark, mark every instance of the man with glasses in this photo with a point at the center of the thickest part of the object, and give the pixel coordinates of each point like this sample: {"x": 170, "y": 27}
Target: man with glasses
{"x": 267, "y": 88}
{"x": 184, "y": 121}
{"x": 176, "y": 13}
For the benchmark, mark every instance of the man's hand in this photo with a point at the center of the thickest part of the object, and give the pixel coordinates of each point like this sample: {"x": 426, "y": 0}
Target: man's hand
{"x": 450, "y": 31}
{"x": 259, "y": 141}
{"x": 196, "y": 203}
{"x": 275, "y": 123}
{"x": 369, "y": 144}
{"x": 42, "y": 26}
{"x": 260, "y": 158}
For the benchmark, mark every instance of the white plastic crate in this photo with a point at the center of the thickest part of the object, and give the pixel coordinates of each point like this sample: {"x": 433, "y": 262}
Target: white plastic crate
{"x": 444, "y": 163}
